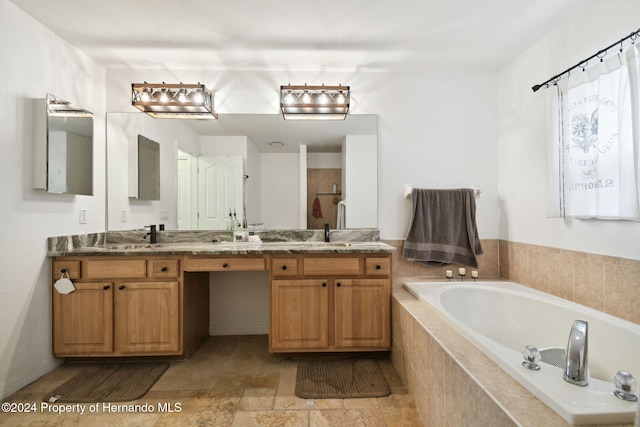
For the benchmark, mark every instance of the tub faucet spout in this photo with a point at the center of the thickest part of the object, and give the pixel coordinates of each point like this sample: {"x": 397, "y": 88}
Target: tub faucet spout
{"x": 577, "y": 367}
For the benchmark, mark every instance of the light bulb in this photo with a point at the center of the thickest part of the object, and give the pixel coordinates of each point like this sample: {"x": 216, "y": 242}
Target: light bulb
{"x": 288, "y": 98}
{"x": 323, "y": 98}
{"x": 340, "y": 99}
{"x": 144, "y": 97}
{"x": 164, "y": 97}
{"x": 306, "y": 98}
{"x": 182, "y": 97}
{"x": 197, "y": 98}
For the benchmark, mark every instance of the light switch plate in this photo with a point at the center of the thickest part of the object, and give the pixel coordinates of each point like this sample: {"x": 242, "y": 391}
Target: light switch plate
{"x": 83, "y": 216}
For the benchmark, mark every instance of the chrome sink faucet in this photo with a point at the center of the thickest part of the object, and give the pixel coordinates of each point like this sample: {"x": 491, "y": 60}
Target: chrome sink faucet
{"x": 577, "y": 367}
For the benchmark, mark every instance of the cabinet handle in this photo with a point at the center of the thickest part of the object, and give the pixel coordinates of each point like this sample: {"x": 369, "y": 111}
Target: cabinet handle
{"x": 378, "y": 266}
{"x": 121, "y": 287}
{"x": 338, "y": 284}
{"x": 163, "y": 269}
{"x": 324, "y": 285}
{"x": 225, "y": 265}
{"x": 284, "y": 267}
{"x": 106, "y": 288}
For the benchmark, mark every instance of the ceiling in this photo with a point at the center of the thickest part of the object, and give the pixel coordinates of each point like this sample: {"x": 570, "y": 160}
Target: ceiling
{"x": 299, "y": 35}
{"x": 330, "y": 35}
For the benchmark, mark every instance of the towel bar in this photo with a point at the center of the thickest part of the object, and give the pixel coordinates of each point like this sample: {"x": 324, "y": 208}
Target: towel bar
{"x": 407, "y": 190}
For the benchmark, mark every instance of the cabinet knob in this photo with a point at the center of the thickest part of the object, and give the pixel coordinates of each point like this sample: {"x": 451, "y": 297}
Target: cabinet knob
{"x": 164, "y": 269}
{"x": 324, "y": 285}
{"x": 121, "y": 287}
{"x": 225, "y": 265}
{"x": 64, "y": 270}
{"x": 106, "y": 287}
{"x": 284, "y": 267}
{"x": 338, "y": 284}
{"x": 378, "y": 266}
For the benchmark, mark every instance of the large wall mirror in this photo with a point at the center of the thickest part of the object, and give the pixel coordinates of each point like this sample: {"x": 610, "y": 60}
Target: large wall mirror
{"x": 270, "y": 173}
{"x": 68, "y": 155}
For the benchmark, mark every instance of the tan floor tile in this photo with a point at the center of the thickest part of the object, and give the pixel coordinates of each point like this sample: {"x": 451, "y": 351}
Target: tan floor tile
{"x": 230, "y": 381}
{"x": 346, "y": 417}
{"x": 271, "y": 419}
{"x": 257, "y": 399}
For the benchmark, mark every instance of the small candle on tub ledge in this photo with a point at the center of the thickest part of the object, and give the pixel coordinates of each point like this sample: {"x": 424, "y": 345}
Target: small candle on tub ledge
{"x": 462, "y": 271}
{"x": 449, "y": 274}
{"x": 474, "y": 274}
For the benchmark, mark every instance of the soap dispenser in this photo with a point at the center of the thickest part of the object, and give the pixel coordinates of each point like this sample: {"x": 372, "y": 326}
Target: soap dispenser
{"x": 326, "y": 233}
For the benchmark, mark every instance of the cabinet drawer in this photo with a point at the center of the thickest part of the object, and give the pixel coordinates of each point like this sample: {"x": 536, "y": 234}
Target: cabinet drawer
{"x": 331, "y": 266}
{"x": 377, "y": 266}
{"x": 284, "y": 266}
{"x": 159, "y": 268}
{"x": 70, "y": 267}
{"x": 224, "y": 264}
{"x": 114, "y": 269}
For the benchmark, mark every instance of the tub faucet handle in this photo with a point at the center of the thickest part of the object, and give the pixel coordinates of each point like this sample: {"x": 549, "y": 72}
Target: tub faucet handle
{"x": 626, "y": 386}
{"x": 531, "y": 357}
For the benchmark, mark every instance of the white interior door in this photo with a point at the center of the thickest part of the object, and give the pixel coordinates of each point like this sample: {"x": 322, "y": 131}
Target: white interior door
{"x": 219, "y": 190}
{"x": 186, "y": 187}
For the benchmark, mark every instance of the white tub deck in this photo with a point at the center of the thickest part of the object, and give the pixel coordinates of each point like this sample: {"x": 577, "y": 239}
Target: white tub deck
{"x": 500, "y": 318}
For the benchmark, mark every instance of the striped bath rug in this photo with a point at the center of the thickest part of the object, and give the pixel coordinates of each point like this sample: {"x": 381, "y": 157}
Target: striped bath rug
{"x": 339, "y": 379}
{"x": 109, "y": 382}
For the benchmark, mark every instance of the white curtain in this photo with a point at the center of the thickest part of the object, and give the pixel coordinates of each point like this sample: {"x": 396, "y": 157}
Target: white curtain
{"x": 595, "y": 140}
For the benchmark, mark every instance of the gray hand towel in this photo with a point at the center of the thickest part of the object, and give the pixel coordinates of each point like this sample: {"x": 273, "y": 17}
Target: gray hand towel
{"x": 443, "y": 228}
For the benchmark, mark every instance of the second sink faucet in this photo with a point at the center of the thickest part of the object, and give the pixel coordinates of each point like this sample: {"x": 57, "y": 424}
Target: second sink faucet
{"x": 577, "y": 368}
{"x": 153, "y": 235}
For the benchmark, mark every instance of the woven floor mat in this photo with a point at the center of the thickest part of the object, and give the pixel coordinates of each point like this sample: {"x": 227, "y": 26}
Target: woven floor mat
{"x": 110, "y": 382}
{"x": 341, "y": 378}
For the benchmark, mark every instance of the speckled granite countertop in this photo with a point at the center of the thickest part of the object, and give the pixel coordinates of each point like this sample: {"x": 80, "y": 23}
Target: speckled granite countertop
{"x": 229, "y": 248}
{"x": 218, "y": 243}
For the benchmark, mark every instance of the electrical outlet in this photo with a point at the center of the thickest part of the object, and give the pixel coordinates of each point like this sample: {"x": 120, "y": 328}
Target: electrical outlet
{"x": 123, "y": 215}
{"x": 83, "y": 216}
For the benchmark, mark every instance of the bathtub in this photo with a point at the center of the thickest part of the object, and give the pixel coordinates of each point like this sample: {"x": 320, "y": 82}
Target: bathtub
{"x": 501, "y": 318}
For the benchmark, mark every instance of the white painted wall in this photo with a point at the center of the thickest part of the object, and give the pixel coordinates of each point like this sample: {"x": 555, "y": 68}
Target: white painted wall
{"x": 280, "y": 197}
{"x": 436, "y": 128}
{"x": 122, "y": 131}
{"x": 522, "y": 124}
{"x": 36, "y": 61}
{"x": 359, "y": 186}
{"x": 324, "y": 160}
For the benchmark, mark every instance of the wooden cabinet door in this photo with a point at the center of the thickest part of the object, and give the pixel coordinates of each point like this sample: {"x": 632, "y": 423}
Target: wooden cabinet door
{"x": 299, "y": 314}
{"x": 147, "y": 318}
{"x": 362, "y": 313}
{"x": 83, "y": 320}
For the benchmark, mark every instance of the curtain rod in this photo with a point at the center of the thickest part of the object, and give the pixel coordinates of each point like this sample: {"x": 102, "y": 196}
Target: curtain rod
{"x": 584, "y": 62}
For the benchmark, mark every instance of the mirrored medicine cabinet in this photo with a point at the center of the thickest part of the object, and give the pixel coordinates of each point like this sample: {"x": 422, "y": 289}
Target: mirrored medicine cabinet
{"x": 63, "y": 147}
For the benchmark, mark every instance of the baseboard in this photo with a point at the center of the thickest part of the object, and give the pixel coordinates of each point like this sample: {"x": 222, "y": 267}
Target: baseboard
{"x": 239, "y": 329}
{"x": 15, "y": 383}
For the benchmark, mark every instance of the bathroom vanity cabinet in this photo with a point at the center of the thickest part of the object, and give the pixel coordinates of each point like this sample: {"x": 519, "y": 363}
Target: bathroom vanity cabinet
{"x": 129, "y": 306}
{"x": 330, "y": 303}
{"x": 146, "y": 303}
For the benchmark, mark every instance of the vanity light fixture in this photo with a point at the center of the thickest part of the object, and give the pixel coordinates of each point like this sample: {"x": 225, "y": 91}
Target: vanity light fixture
{"x": 173, "y": 101}
{"x": 314, "y": 102}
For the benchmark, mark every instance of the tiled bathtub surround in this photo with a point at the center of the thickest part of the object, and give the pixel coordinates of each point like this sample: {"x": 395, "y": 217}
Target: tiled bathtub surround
{"x": 452, "y": 382}
{"x": 487, "y": 263}
{"x": 605, "y": 283}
